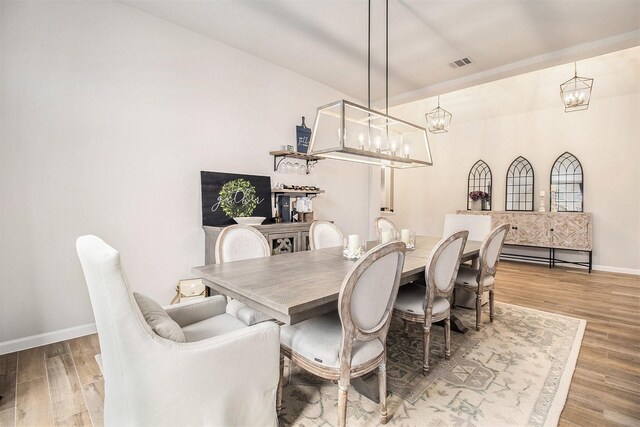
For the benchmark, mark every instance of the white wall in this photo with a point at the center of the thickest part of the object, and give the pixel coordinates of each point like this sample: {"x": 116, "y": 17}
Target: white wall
{"x": 524, "y": 116}
{"x": 108, "y": 116}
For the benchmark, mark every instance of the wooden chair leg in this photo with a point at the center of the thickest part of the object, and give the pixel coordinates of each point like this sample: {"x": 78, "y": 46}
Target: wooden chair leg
{"x": 343, "y": 390}
{"x": 382, "y": 383}
{"x": 280, "y": 386}
{"x": 406, "y": 326}
{"x": 426, "y": 338}
{"x": 478, "y": 310}
{"x": 447, "y": 336}
{"x": 491, "y": 296}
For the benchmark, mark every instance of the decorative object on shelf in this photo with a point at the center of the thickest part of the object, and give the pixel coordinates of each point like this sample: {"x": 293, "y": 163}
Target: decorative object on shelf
{"x": 238, "y": 200}
{"x": 219, "y": 207}
{"x": 353, "y": 247}
{"x": 292, "y": 162}
{"x": 347, "y": 131}
{"x": 554, "y": 200}
{"x": 303, "y": 136}
{"x": 408, "y": 237}
{"x": 480, "y": 180}
{"x": 438, "y": 119}
{"x": 249, "y": 220}
{"x": 476, "y": 198}
{"x": 520, "y": 186}
{"x": 567, "y": 176}
{"x": 576, "y": 92}
{"x": 542, "y": 206}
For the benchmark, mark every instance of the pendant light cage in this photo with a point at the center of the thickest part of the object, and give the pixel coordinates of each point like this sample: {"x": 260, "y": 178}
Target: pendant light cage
{"x": 438, "y": 119}
{"x": 576, "y": 93}
{"x": 347, "y": 131}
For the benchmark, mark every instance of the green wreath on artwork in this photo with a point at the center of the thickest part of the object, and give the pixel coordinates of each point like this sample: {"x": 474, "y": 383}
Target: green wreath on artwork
{"x": 238, "y": 198}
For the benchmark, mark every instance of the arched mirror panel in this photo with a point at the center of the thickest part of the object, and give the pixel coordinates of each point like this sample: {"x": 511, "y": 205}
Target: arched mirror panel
{"x": 520, "y": 186}
{"x": 567, "y": 183}
{"x": 479, "y": 185}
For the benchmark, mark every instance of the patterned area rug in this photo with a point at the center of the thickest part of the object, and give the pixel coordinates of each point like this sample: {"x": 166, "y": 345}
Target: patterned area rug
{"x": 515, "y": 371}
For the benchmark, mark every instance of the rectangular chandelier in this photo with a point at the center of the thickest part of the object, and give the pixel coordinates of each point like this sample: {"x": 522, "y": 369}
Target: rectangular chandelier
{"x": 347, "y": 131}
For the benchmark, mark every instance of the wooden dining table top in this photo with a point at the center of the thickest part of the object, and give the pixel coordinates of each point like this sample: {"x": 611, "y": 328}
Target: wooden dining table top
{"x": 297, "y": 286}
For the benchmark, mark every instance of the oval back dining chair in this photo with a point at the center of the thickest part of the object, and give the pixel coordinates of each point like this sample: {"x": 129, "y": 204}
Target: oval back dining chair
{"x": 430, "y": 304}
{"x": 483, "y": 279}
{"x": 383, "y": 224}
{"x": 236, "y": 243}
{"x": 323, "y": 234}
{"x": 352, "y": 341}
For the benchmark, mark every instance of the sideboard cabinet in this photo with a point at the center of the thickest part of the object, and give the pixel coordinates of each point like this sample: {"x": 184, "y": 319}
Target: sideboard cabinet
{"x": 552, "y": 230}
{"x": 282, "y": 237}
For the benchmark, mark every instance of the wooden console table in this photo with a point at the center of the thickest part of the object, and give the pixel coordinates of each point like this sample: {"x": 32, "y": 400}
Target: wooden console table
{"x": 571, "y": 231}
{"x": 283, "y": 238}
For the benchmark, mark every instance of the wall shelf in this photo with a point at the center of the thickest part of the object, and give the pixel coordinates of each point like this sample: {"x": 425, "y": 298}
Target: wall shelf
{"x": 280, "y": 155}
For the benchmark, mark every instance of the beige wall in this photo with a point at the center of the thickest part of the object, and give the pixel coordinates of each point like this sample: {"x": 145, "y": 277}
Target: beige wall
{"x": 524, "y": 116}
{"x": 108, "y": 116}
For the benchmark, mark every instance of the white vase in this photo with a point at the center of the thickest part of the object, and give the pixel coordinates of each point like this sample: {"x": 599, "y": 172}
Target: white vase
{"x": 476, "y": 205}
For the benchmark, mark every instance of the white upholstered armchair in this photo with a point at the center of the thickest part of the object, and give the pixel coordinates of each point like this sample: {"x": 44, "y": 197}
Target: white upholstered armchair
{"x": 220, "y": 370}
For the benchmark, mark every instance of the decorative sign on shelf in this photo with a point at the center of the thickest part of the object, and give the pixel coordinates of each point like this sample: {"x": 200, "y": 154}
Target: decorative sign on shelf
{"x": 212, "y": 183}
{"x": 303, "y": 136}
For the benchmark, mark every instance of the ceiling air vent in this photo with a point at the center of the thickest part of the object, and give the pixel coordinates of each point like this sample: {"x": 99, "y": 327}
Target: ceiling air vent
{"x": 460, "y": 63}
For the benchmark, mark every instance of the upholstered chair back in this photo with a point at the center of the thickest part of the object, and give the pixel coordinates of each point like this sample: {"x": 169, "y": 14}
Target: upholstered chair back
{"x": 368, "y": 294}
{"x": 479, "y": 226}
{"x": 121, "y": 327}
{"x": 491, "y": 248}
{"x": 442, "y": 265}
{"x": 383, "y": 224}
{"x": 238, "y": 242}
{"x": 323, "y": 234}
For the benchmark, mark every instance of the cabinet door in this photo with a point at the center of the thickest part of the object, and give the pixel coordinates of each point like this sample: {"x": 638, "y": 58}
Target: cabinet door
{"x": 303, "y": 241}
{"x": 571, "y": 231}
{"x": 282, "y": 243}
{"x": 498, "y": 219}
{"x": 532, "y": 230}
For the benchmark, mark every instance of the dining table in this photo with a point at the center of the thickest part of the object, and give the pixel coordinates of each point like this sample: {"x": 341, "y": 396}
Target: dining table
{"x": 296, "y": 286}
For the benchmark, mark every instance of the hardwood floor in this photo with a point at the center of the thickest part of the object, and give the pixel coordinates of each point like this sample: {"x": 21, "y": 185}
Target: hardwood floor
{"x": 60, "y": 384}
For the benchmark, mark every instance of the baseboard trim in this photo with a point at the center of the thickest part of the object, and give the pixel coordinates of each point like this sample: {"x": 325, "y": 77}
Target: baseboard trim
{"x": 608, "y": 269}
{"x": 622, "y": 270}
{"x": 46, "y": 338}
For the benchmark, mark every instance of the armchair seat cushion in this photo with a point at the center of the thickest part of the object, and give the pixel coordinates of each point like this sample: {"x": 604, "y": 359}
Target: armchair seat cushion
{"x": 411, "y": 299}
{"x": 467, "y": 278}
{"x": 318, "y": 339}
{"x": 212, "y": 327}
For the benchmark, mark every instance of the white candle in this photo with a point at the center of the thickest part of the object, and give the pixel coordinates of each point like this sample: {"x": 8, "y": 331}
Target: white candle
{"x": 541, "y": 193}
{"x": 405, "y": 235}
{"x": 385, "y": 236}
{"x": 353, "y": 243}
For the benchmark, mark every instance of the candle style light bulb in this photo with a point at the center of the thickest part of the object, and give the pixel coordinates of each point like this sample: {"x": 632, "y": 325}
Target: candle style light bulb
{"x": 394, "y": 146}
{"x": 377, "y": 141}
{"x": 406, "y": 150}
{"x": 361, "y": 141}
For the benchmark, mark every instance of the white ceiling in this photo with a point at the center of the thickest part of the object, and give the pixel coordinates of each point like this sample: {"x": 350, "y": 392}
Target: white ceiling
{"x": 326, "y": 40}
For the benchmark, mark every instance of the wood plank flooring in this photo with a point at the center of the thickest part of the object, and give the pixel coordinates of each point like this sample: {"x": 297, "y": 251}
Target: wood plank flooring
{"x": 61, "y": 384}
